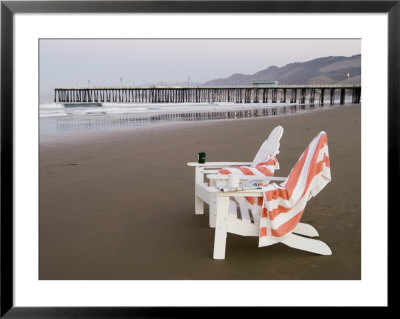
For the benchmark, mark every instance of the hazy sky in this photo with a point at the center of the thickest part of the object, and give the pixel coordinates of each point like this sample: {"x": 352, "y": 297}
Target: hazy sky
{"x": 72, "y": 63}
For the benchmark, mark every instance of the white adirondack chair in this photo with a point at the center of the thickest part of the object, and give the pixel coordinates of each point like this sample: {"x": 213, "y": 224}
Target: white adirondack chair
{"x": 236, "y": 219}
{"x": 230, "y": 221}
{"x": 202, "y": 193}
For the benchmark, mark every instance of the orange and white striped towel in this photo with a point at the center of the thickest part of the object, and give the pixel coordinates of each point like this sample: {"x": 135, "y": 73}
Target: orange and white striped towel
{"x": 266, "y": 168}
{"x": 283, "y": 204}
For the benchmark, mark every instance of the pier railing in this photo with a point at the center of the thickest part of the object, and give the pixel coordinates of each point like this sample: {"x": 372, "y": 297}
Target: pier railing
{"x": 207, "y": 94}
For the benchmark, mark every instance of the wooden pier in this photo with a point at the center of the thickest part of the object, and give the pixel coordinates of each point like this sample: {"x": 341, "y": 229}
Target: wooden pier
{"x": 299, "y": 94}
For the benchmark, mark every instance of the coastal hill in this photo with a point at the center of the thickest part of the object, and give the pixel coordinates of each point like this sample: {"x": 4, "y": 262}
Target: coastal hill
{"x": 327, "y": 70}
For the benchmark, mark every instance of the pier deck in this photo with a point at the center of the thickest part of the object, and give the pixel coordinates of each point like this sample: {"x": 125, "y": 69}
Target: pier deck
{"x": 207, "y": 94}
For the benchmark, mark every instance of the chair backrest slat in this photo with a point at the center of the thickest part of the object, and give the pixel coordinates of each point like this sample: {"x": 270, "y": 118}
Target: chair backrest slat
{"x": 270, "y": 146}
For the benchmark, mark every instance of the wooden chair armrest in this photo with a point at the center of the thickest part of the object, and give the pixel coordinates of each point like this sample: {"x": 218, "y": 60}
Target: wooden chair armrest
{"x": 218, "y": 164}
{"x": 249, "y": 192}
{"x": 249, "y": 177}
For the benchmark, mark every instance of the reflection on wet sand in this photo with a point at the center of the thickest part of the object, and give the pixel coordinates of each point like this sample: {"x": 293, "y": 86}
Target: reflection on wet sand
{"x": 126, "y": 120}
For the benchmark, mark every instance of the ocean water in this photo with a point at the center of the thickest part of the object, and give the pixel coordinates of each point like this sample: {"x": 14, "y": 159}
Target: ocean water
{"x": 55, "y": 118}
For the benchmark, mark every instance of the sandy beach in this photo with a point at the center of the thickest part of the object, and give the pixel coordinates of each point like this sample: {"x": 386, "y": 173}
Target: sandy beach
{"x": 119, "y": 205}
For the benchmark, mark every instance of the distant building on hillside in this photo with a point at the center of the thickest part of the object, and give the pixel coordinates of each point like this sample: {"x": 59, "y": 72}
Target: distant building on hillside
{"x": 266, "y": 83}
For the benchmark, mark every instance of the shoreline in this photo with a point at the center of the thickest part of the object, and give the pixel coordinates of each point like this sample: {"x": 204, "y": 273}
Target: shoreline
{"x": 114, "y": 122}
{"x": 119, "y": 204}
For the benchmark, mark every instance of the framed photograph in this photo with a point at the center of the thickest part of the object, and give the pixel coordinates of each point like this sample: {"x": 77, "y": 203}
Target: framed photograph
{"x": 157, "y": 156}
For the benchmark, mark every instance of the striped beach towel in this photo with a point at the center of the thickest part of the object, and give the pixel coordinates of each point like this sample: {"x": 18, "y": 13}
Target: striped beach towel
{"x": 283, "y": 204}
{"x": 253, "y": 204}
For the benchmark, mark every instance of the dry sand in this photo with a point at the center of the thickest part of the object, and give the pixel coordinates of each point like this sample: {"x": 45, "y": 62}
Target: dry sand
{"x": 120, "y": 204}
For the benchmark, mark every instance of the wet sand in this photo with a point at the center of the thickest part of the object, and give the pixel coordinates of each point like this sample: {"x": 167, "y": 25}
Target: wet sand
{"x": 120, "y": 204}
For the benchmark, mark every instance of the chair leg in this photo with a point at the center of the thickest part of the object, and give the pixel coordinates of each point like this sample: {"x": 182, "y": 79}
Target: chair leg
{"x": 198, "y": 206}
{"x": 212, "y": 211}
{"x": 306, "y": 230}
{"x": 307, "y": 244}
{"x": 198, "y": 203}
{"x": 222, "y": 207}
{"x": 213, "y": 204}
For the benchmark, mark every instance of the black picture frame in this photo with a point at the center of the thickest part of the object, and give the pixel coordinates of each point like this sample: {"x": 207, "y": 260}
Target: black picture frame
{"x": 9, "y": 8}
